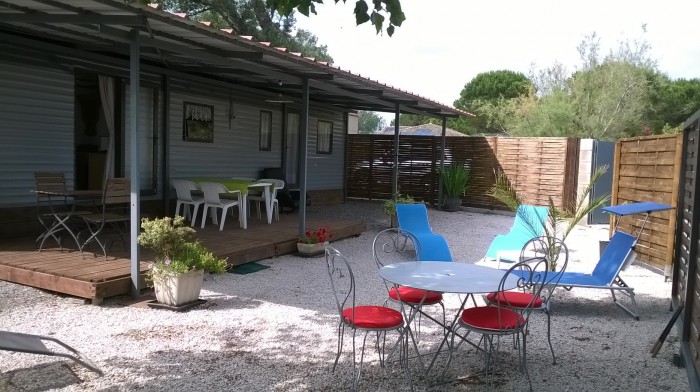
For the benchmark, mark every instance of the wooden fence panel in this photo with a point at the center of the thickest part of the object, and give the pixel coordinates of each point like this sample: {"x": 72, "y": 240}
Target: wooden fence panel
{"x": 647, "y": 168}
{"x": 540, "y": 168}
{"x": 686, "y": 282}
{"x": 537, "y": 167}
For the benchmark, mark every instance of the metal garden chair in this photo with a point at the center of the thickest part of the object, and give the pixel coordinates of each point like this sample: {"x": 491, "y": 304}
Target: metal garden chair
{"x": 556, "y": 252}
{"x": 363, "y": 318}
{"x": 501, "y": 319}
{"x": 114, "y": 216}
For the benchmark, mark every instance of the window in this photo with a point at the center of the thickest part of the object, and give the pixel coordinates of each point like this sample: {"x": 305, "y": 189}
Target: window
{"x": 198, "y": 123}
{"x": 265, "y": 130}
{"x": 324, "y": 137}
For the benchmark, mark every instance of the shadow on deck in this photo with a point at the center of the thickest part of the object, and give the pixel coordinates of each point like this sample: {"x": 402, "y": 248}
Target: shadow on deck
{"x": 67, "y": 272}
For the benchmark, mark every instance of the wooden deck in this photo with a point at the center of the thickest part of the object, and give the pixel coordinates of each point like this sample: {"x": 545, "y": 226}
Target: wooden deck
{"x": 94, "y": 279}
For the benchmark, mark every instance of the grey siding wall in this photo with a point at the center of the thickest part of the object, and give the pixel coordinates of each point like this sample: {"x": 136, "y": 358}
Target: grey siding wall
{"x": 37, "y": 133}
{"x": 235, "y": 150}
{"x": 325, "y": 171}
{"x": 36, "y": 128}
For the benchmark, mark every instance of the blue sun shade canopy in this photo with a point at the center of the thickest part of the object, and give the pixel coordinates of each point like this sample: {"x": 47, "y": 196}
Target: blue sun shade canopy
{"x": 645, "y": 207}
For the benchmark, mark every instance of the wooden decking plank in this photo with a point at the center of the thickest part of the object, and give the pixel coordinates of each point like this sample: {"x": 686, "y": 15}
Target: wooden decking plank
{"x": 94, "y": 278}
{"x": 47, "y": 281}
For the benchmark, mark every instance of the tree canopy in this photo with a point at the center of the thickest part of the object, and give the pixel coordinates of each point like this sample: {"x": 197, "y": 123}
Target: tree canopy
{"x": 369, "y": 122}
{"x": 486, "y": 90}
{"x": 377, "y": 15}
{"x": 492, "y": 85}
{"x": 619, "y": 94}
{"x": 257, "y": 18}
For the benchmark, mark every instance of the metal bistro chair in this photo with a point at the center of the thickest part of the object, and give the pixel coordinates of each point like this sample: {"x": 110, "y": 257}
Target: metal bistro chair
{"x": 555, "y": 251}
{"x": 183, "y": 189}
{"x": 501, "y": 319}
{"x": 394, "y": 246}
{"x": 377, "y": 319}
{"x": 53, "y": 210}
{"x": 49, "y": 206}
{"x": 115, "y": 208}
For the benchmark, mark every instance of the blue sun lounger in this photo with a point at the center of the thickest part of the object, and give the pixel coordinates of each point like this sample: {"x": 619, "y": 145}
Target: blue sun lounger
{"x": 413, "y": 219}
{"x": 529, "y": 223}
{"x": 617, "y": 255}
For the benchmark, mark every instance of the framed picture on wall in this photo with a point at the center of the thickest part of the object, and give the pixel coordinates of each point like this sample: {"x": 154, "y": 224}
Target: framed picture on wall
{"x": 198, "y": 123}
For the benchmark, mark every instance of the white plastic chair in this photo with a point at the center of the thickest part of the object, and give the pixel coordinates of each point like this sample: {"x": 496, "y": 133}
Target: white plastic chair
{"x": 184, "y": 189}
{"x": 212, "y": 198}
{"x": 276, "y": 185}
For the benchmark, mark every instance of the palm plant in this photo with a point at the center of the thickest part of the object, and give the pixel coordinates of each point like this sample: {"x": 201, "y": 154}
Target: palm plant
{"x": 455, "y": 179}
{"x": 504, "y": 191}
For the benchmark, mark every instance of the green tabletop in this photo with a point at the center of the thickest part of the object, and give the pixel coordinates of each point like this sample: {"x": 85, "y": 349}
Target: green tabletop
{"x": 229, "y": 183}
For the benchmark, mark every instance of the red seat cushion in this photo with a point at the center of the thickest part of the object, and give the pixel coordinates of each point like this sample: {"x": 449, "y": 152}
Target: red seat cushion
{"x": 486, "y": 317}
{"x": 414, "y": 296}
{"x": 373, "y": 317}
{"x": 514, "y": 299}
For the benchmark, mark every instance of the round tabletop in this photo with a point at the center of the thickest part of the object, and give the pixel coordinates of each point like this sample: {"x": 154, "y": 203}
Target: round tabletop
{"x": 446, "y": 277}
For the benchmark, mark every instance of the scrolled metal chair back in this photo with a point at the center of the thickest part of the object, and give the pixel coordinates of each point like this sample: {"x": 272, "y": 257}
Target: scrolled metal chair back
{"x": 531, "y": 275}
{"x": 342, "y": 279}
{"x": 557, "y": 254}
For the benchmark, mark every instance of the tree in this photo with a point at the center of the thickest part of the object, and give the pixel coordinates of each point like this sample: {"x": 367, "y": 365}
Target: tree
{"x": 257, "y": 18}
{"x": 485, "y": 92}
{"x": 608, "y": 97}
{"x": 415, "y": 119}
{"x": 492, "y": 85}
{"x": 673, "y": 102}
{"x": 381, "y": 9}
{"x": 369, "y": 122}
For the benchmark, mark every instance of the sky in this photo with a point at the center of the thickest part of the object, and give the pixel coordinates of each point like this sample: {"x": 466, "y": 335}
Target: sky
{"x": 443, "y": 44}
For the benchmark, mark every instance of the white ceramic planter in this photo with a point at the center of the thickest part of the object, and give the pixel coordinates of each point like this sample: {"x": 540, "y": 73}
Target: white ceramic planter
{"x": 311, "y": 248}
{"x": 178, "y": 289}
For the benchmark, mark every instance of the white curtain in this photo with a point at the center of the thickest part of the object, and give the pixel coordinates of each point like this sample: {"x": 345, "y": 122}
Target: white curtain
{"x": 325, "y": 130}
{"x": 107, "y": 96}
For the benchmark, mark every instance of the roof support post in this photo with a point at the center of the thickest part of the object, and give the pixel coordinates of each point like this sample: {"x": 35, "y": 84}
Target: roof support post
{"x": 395, "y": 183}
{"x": 442, "y": 160}
{"x": 134, "y": 82}
{"x": 303, "y": 153}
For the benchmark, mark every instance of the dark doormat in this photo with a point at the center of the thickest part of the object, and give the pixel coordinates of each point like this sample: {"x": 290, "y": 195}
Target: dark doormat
{"x": 248, "y": 268}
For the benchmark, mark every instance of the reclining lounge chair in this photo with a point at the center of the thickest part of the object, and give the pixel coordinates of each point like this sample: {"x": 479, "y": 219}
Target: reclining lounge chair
{"x": 617, "y": 255}
{"x": 413, "y": 218}
{"x": 529, "y": 223}
{"x": 34, "y": 344}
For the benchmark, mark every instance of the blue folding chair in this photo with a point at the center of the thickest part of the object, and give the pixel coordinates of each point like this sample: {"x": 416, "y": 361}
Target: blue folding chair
{"x": 413, "y": 218}
{"x": 529, "y": 223}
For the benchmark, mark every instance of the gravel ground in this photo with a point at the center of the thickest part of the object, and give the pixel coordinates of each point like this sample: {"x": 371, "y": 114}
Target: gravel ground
{"x": 274, "y": 330}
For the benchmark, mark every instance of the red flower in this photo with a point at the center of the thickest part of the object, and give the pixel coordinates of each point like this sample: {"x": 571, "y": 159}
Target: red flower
{"x": 317, "y": 236}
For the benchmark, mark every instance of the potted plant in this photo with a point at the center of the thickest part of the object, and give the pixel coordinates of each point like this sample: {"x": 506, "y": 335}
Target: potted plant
{"x": 314, "y": 241}
{"x": 559, "y": 222}
{"x": 455, "y": 182}
{"x": 389, "y": 206}
{"x": 178, "y": 270}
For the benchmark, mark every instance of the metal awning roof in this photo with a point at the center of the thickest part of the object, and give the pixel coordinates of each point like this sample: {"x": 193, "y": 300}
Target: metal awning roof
{"x": 174, "y": 42}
